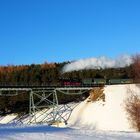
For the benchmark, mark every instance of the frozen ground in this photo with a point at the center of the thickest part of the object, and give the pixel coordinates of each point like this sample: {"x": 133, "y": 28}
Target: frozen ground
{"x": 53, "y": 133}
{"x": 89, "y": 121}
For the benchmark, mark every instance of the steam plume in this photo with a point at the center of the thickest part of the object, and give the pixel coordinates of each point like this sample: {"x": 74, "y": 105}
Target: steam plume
{"x": 97, "y": 63}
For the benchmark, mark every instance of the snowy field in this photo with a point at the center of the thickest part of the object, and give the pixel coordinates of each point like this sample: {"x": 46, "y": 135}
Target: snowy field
{"x": 53, "y": 133}
{"x": 89, "y": 121}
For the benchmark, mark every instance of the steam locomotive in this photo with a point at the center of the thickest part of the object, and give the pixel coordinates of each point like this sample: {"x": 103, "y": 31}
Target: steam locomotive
{"x": 93, "y": 82}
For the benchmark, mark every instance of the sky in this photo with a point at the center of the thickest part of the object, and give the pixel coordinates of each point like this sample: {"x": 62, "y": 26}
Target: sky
{"x": 35, "y": 31}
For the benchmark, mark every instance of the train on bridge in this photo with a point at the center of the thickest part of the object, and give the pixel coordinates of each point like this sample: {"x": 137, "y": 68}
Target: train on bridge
{"x": 93, "y": 82}
{"x": 74, "y": 82}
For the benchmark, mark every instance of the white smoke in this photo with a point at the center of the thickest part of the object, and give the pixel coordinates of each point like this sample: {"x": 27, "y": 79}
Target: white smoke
{"x": 98, "y": 63}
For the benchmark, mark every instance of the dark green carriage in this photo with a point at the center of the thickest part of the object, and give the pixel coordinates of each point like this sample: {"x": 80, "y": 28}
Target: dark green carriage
{"x": 88, "y": 82}
{"x": 99, "y": 81}
{"x": 120, "y": 81}
{"x": 95, "y": 81}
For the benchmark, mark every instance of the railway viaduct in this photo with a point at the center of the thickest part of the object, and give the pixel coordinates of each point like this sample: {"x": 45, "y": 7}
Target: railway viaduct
{"x": 44, "y": 110}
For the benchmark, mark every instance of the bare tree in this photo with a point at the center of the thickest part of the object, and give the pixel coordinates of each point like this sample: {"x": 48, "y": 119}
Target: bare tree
{"x": 132, "y": 103}
{"x": 132, "y": 106}
{"x": 136, "y": 67}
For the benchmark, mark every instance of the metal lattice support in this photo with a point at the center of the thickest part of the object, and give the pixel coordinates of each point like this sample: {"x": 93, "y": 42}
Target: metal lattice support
{"x": 32, "y": 108}
{"x": 45, "y": 108}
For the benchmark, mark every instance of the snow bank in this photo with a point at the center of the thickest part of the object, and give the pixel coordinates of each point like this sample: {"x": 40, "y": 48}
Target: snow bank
{"x": 108, "y": 115}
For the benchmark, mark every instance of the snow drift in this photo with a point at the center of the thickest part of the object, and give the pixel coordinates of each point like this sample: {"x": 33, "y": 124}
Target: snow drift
{"x": 108, "y": 115}
{"x": 97, "y": 63}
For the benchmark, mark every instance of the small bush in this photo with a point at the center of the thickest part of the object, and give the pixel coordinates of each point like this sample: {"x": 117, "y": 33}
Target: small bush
{"x": 97, "y": 94}
{"x": 132, "y": 105}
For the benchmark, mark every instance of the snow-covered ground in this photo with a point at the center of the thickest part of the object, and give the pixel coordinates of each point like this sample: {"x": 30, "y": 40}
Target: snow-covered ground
{"x": 53, "y": 133}
{"x": 7, "y": 119}
{"x": 108, "y": 115}
{"x": 89, "y": 121}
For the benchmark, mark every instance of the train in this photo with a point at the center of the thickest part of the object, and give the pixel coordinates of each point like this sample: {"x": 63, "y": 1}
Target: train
{"x": 75, "y": 82}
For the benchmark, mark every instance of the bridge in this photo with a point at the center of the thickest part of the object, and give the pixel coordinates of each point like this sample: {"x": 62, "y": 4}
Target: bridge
{"x": 47, "y": 108}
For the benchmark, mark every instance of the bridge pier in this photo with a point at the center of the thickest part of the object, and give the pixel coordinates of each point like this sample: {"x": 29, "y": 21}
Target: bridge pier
{"x": 42, "y": 106}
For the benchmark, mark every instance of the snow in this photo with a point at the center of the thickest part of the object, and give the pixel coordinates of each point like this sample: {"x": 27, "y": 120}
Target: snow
{"x": 7, "y": 118}
{"x": 89, "y": 120}
{"x": 53, "y": 133}
{"x": 108, "y": 115}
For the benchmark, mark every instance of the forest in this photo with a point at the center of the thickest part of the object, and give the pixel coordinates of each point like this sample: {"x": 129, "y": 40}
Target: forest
{"x": 51, "y": 73}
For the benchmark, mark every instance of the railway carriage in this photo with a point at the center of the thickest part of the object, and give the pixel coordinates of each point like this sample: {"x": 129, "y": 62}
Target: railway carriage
{"x": 120, "y": 81}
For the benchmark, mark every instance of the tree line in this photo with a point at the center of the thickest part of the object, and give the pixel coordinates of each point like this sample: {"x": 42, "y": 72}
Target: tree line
{"x": 51, "y": 73}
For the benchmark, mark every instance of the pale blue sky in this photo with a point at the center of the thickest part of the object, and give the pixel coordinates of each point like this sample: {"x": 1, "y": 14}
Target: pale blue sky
{"x": 34, "y": 31}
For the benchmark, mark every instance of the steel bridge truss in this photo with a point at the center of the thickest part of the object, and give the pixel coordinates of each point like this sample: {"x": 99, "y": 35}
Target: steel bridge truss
{"x": 44, "y": 106}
